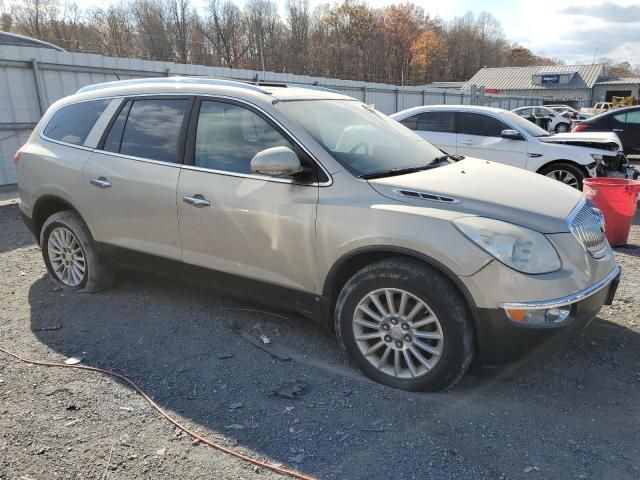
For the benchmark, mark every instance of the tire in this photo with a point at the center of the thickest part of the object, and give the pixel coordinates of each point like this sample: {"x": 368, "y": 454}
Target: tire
{"x": 567, "y": 173}
{"x": 562, "y": 127}
{"x": 451, "y": 334}
{"x": 71, "y": 255}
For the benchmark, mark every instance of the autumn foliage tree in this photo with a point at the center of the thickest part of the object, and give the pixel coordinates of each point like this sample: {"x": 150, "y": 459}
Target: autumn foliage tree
{"x": 399, "y": 44}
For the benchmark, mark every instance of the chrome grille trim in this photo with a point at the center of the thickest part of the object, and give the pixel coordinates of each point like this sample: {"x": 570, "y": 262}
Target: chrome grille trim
{"x": 587, "y": 226}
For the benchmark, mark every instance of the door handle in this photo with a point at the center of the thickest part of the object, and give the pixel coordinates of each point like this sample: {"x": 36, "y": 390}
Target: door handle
{"x": 197, "y": 201}
{"x": 618, "y": 129}
{"x": 100, "y": 182}
{"x": 467, "y": 142}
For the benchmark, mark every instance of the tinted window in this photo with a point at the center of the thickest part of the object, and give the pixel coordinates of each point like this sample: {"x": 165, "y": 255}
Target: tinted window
{"x": 151, "y": 130}
{"x": 436, "y": 122}
{"x": 410, "y": 122}
{"x": 482, "y": 125}
{"x": 633, "y": 117}
{"x": 229, "y": 136}
{"x": 112, "y": 143}
{"x": 72, "y": 124}
{"x": 525, "y": 112}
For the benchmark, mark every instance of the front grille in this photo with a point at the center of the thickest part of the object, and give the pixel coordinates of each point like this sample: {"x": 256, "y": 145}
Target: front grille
{"x": 587, "y": 225}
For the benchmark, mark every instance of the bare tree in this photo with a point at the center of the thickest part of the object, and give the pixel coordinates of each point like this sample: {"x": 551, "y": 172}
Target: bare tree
{"x": 226, "y": 31}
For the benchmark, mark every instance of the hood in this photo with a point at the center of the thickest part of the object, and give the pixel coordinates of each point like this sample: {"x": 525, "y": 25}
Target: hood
{"x": 487, "y": 189}
{"x": 598, "y": 140}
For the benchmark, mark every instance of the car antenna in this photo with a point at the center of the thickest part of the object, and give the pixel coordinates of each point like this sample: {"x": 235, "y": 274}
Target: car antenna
{"x": 116, "y": 75}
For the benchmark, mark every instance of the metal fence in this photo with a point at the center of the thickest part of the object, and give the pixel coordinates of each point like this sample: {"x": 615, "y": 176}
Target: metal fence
{"x": 31, "y": 79}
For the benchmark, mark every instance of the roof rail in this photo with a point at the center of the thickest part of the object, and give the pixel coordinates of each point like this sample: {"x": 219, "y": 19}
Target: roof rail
{"x": 314, "y": 87}
{"x": 175, "y": 80}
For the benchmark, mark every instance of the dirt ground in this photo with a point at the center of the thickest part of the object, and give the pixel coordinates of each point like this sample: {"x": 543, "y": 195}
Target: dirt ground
{"x": 574, "y": 413}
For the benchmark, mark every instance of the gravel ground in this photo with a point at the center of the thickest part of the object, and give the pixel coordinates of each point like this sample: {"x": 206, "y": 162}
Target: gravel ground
{"x": 570, "y": 414}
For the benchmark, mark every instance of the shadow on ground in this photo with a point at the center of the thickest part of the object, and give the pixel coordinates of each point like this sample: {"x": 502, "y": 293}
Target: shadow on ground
{"x": 184, "y": 349}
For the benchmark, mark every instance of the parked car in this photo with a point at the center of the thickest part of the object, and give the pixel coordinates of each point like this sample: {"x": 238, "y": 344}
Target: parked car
{"x": 314, "y": 201}
{"x": 557, "y": 122}
{"x": 624, "y": 121}
{"x": 572, "y": 112}
{"x": 502, "y": 136}
{"x": 599, "y": 107}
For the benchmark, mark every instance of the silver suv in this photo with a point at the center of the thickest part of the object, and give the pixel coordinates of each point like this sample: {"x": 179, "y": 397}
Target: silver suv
{"x": 315, "y": 201}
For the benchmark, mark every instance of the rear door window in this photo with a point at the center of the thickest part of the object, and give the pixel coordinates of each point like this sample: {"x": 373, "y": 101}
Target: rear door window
{"x": 72, "y": 123}
{"x": 151, "y": 129}
{"x": 436, "y": 122}
{"x": 480, "y": 125}
{"x": 525, "y": 112}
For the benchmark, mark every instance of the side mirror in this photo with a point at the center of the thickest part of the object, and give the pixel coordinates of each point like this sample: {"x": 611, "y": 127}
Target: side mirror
{"x": 276, "y": 162}
{"x": 511, "y": 134}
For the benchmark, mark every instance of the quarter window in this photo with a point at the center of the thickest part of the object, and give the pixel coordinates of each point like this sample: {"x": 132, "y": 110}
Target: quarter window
{"x": 149, "y": 129}
{"x": 72, "y": 123}
{"x": 229, "y": 136}
{"x": 481, "y": 125}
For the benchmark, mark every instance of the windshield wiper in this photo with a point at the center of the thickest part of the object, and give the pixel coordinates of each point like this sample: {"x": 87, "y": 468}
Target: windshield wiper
{"x": 395, "y": 171}
{"x": 405, "y": 170}
{"x": 446, "y": 156}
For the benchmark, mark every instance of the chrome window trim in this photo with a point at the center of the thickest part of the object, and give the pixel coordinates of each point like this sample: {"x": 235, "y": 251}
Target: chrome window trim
{"x": 567, "y": 300}
{"x": 139, "y": 159}
{"x": 193, "y": 167}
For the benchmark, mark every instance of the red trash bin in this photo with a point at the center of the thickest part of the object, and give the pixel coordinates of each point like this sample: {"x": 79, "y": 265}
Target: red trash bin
{"x": 616, "y": 198}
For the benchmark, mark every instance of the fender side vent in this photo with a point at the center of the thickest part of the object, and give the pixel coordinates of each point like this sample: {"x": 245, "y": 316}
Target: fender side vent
{"x": 425, "y": 196}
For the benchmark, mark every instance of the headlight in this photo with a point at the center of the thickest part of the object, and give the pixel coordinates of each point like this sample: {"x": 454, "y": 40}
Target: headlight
{"x": 597, "y": 157}
{"x": 518, "y": 247}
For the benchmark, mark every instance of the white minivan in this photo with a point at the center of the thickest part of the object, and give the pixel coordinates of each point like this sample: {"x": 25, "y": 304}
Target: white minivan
{"x": 502, "y": 136}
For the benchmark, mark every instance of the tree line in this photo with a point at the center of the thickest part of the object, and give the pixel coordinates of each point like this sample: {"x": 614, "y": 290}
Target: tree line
{"x": 399, "y": 44}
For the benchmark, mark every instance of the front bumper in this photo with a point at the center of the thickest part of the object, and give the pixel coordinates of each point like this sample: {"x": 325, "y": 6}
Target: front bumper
{"x": 502, "y": 341}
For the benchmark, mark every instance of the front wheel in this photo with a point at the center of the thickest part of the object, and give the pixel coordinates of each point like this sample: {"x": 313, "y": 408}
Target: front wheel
{"x": 566, "y": 173}
{"x": 405, "y": 325}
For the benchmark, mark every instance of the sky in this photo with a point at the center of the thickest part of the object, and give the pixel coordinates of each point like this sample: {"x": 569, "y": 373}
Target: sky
{"x": 573, "y": 30}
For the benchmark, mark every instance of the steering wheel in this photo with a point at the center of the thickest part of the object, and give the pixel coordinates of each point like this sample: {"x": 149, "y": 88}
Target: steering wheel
{"x": 364, "y": 146}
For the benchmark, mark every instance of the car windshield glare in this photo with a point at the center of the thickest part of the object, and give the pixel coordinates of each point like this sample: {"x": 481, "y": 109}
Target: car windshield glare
{"x": 523, "y": 124}
{"x": 363, "y": 140}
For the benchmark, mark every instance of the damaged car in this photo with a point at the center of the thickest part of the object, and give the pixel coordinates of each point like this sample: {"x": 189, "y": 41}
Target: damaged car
{"x": 504, "y": 137}
{"x": 313, "y": 201}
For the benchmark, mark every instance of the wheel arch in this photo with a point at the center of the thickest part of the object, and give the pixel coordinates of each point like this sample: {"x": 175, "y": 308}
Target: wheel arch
{"x": 353, "y": 261}
{"x": 559, "y": 161}
{"x": 46, "y": 206}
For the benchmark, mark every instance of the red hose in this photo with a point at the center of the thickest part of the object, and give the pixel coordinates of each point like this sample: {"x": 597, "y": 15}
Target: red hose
{"x": 217, "y": 446}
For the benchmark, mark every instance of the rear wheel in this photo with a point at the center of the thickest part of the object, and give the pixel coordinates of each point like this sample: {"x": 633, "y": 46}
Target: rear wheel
{"x": 562, "y": 127}
{"x": 71, "y": 255}
{"x": 405, "y": 326}
{"x": 566, "y": 173}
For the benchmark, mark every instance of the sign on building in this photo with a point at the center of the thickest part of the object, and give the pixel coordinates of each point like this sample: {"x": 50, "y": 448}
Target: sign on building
{"x": 547, "y": 79}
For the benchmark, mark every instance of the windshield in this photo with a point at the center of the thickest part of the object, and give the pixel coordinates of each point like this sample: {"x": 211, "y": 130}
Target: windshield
{"x": 361, "y": 139}
{"x": 523, "y": 124}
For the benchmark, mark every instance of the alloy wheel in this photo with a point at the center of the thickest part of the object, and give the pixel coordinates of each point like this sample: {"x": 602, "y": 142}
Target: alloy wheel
{"x": 398, "y": 333}
{"x": 66, "y": 257}
{"x": 565, "y": 177}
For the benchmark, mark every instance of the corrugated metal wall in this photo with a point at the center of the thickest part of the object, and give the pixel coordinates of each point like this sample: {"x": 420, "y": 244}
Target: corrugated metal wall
{"x": 31, "y": 79}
